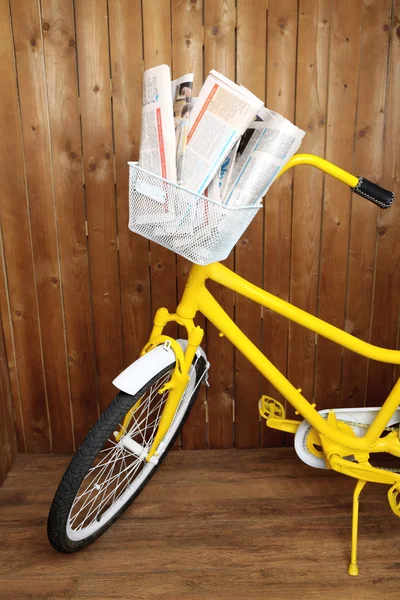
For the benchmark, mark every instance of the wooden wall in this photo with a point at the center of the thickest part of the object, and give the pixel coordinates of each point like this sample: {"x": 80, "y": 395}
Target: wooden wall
{"x": 8, "y": 440}
{"x": 78, "y": 290}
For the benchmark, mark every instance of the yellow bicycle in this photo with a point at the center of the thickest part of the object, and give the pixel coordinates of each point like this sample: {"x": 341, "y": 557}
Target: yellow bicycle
{"x": 131, "y": 438}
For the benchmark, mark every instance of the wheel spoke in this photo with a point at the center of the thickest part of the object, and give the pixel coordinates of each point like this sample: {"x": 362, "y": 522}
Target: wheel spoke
{"x": 104, "y": 467}
{"x": 103, "y": 502}
{"x": 87, "y": 501}
{"x": 107, "y": 482}
{"x": 116, "y": 473}
{"x": 137, "y": 424}
{"x": 148, "y": 401}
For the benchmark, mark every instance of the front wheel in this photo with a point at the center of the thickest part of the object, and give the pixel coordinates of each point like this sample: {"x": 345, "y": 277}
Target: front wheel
{"x": 104, "y": 476}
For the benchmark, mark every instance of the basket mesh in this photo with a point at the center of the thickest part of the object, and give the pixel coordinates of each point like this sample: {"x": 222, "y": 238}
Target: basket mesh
{"x": 191, "y": 225}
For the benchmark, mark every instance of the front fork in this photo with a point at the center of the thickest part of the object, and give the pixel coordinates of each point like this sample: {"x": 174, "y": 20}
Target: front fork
{"x": 180, "y": 377}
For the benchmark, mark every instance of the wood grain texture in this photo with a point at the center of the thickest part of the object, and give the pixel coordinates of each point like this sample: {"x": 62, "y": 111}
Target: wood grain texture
{"x": 387, "y": 281}
{"x": 65, "y": 135}
{"x": 344, "y": 63}
{"x": 126, "y": 72}
{"x": 311, "y": 96}
{"x": 251, "y": 65}
{"x": 18, "y": 294}
{"x": 157, "y": 51}
{"x": 8, "y": 438}
{"x": 368, "y": 152}
{"x": 97, "y": 144}
{"x": 75, "y": 310}
{"x": 212, "y": 521}
{"x": 219, "y": 54}
{"x": 187, "y": 57}
{"x": 10, "y": 355}
{"x": 28, "y": 44}
{"x": 280, "y": 96}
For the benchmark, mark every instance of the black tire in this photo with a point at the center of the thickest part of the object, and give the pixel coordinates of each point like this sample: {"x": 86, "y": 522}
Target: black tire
{"x": 86, "y": 455}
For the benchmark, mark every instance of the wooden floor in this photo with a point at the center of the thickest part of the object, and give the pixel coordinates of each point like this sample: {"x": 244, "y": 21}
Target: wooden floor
{"x": 215, "y": 525}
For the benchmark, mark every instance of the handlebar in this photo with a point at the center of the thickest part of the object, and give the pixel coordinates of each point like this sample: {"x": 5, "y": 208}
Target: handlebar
{"x": 360, "y": 185}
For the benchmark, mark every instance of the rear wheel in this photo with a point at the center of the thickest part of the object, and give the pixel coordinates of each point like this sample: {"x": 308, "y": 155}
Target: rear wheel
{"x": 104, "y": 476}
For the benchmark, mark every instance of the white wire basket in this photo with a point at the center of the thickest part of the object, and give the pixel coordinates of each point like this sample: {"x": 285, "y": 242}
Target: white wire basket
{"x": 198, "y": 228}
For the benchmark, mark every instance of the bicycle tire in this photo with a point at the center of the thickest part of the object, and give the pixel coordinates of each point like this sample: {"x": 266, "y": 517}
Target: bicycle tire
{"x": 81, "y": 463}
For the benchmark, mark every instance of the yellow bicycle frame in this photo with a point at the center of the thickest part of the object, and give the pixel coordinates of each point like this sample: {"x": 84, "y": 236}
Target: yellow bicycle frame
{"x": 196, "y": 298}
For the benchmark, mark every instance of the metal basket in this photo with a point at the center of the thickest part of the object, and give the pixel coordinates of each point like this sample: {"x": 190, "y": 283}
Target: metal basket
{"x": 196, "y": 227}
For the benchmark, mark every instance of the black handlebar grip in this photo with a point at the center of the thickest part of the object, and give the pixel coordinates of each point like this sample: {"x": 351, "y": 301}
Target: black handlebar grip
{"x": 373, "y": 192}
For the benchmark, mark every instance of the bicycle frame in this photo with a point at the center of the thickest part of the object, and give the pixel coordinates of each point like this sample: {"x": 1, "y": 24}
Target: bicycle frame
{"x": 197, "y": 298}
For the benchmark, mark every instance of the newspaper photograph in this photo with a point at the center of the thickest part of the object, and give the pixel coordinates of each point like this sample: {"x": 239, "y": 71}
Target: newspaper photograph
{"x": 182, "y": 103}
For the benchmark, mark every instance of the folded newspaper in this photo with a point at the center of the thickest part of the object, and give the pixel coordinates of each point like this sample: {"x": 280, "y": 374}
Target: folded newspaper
{"x": 227, "y": 145}
{"x": 265, "y": 148}
{"x": 222, "y": 113}
{"x": 157, "y": 144}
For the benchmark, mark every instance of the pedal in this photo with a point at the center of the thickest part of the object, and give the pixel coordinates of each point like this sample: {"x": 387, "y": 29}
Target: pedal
{"x": 394, "y": 500}
{"x": 269, "y": 407}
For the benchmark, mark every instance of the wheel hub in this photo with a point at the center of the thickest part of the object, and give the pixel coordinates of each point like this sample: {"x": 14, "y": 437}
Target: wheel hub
{"x": 136, "y": 449}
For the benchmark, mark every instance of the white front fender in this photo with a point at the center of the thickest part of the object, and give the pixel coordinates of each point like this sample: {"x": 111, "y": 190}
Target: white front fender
{"x": 135, "y": 377}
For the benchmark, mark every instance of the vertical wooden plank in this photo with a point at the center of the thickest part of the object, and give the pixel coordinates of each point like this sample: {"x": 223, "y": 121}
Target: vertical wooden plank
{"x": 22, "y": 331}
{"x": 311, "y": 92}
{"x": 62, "y": 94}
{"x": 187, "y": 40}
{"x": 35, "y": 131}
{"x": 251, "y": 64}
{"x": 368, "y": 162}
{"x": 157, "y": 51}
{"x": 344, "y": 66}
{"x": 97, "y": 142}
{"x": 187, "y": 57}
{"x": 10, "y": 354}
{"x": 8, "y": 440}
{"x": 281, "y": 79}
{"x": 387, "y": 281}
{"x": 127, "y": 74}
{"x": 219, "y": 54}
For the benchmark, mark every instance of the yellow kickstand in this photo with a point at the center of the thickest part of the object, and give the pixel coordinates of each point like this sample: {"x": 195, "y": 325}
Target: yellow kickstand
{"x": 353, "y": 568}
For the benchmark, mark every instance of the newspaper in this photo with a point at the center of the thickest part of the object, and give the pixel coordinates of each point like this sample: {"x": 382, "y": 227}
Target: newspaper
{"x": 225, "y": 173}
{"x": 263, "y": 150}
{"x": 227, "y": 145}
{"x": 157, "y": 144}
{"x": 213, "y": 190}
{"x": 182, "y": 103}
{"x": 221, "y": 114}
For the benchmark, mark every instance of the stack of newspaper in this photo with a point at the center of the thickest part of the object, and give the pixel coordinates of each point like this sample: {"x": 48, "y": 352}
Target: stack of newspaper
{"x": 224, "y": 145}
{"x": 225, "y": 142}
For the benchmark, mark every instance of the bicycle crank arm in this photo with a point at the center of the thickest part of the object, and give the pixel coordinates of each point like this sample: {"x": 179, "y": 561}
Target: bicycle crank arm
{"x": 288, "y": 425}
{"x": 363, "y": 471}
